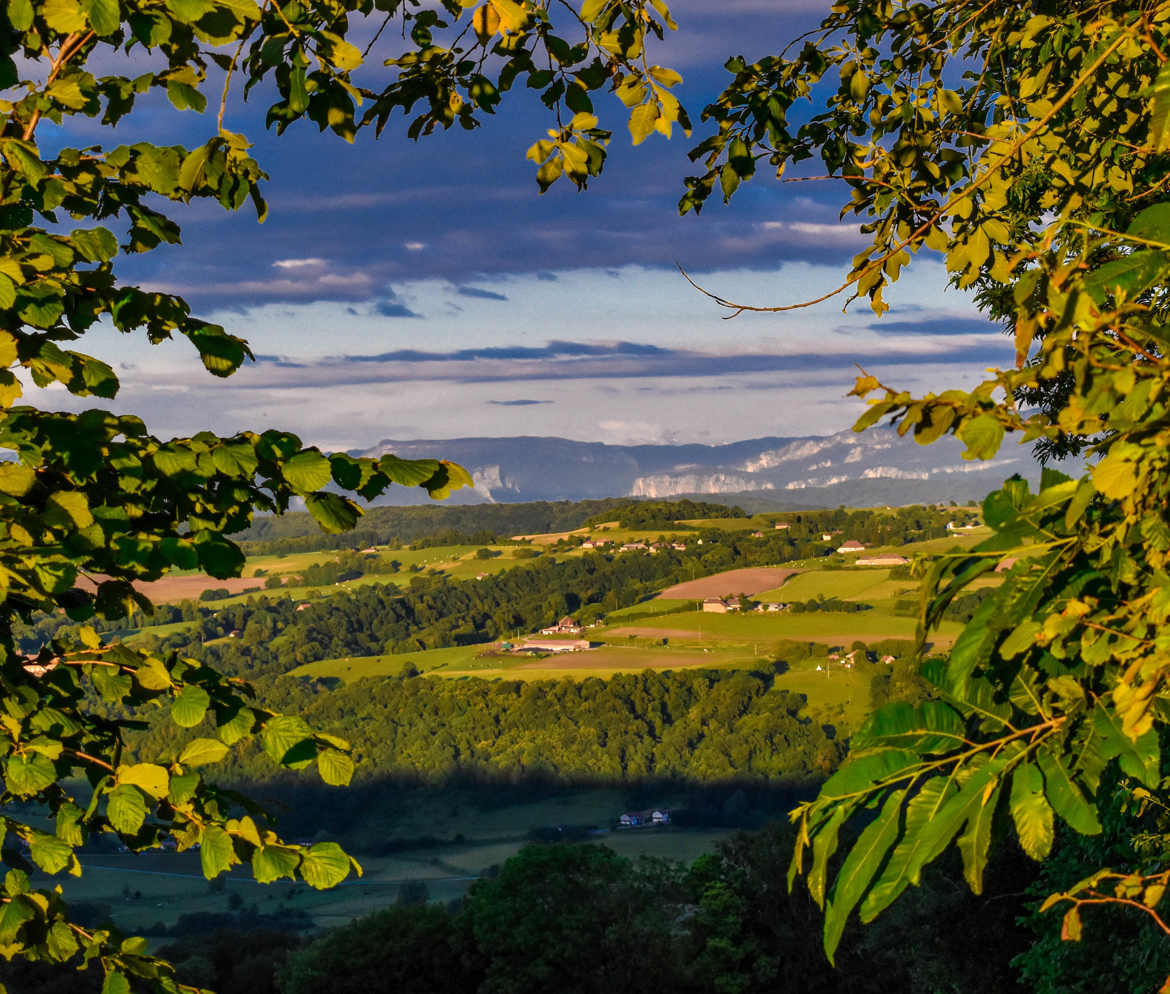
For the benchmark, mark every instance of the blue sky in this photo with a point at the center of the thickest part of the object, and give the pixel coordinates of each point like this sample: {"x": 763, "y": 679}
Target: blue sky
{"x": 404, "y": 290}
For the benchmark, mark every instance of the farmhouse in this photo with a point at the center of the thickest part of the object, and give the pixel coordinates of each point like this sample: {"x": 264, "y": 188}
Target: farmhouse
{"x": 566, "y": 626}
{"x": 640, "y": 819}
{"x": 781, "y": 525}
{"x": 851, "y": 546}
{"x": 720, "y": 605}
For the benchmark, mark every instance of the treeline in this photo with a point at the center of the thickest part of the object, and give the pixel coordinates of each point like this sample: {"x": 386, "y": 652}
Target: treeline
{"x": 665, "y": 514}
{"x": 298, "y": 532}
{"x": 689, "y": 726}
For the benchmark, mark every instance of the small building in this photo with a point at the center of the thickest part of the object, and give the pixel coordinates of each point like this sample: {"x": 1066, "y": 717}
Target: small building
{"x": 679, "y": 546}
{"x": 553, "y": 645}
{"x": 303, "y": 606}
{"x": 781, "y": 525}
{"x": 714, "y": 605}
{"x": 757, "y": 534}
{"x": 851, "y": 546}
{"x": 566, "y": 626}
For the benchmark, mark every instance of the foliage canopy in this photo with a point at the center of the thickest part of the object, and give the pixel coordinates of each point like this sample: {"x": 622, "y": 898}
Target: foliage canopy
{"x": 1026, "y": 143}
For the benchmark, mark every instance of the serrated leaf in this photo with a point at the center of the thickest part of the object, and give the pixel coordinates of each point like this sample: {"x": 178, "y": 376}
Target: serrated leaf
{"x": 282, "y": 735}
{"x": 216, "y": 852}
{"x": 126, "y": 809}
{"x": 189, "y": 707}
{"x": 1031, "y": 811}
{"x": 307, "y": 471}
{"x": 153, "y": 779}
{"x": 915, "y": 849}
{"x": 1064, "y": 795}
{"x": 974, "y": 842}
{"x": 859, "y": 868}
{"x": 152, "y": 674}
{"x": 201, "y": 752}
{"x": 336, "y": 768}
{"x": 27, "y": 774}
{"x": 50, "y": 853}
{"x": 334, "y": 513}
{"x": 274, "y": 863}
{"x": 325, "y": 865}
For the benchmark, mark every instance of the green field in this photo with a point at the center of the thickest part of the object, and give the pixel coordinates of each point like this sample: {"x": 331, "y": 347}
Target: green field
{"x": 463, "y": 657}
{"x": 818, "y": 626}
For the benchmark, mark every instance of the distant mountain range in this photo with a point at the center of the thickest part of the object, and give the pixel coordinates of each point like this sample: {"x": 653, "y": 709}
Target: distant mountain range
{"x": 873, "y": 467}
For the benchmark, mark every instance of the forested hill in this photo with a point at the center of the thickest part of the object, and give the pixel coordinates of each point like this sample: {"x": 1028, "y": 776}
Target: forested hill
{"x": 693, "y": 727}
{"x": 298, "y": 532}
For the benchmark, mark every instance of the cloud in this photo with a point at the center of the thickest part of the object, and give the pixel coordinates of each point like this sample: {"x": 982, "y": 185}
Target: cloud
{"x": 309, "y": 263}
{"x": 414, "y": 246}
{"x": 956, "y": 325}
{"x": 394, "y": 309}
{"x": 553, "y": 350}
{"x": 518, "y": 403}
{"x": 545, "y": 277}
{"x": 479, "y": 294}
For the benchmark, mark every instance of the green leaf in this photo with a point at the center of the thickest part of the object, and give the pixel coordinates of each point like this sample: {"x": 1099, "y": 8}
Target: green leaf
{"x": 216, "y": 852}
{"x": 50, "y": 853}
{"x": 860, "y": 772}
{"x": 189, "y": 707}
{"x": 153, "y": 779}
{"x": 201, "y": 752}
{"x": 1063, "y": 793}
{"x": 307, "y": 471}
{"x": 61, "y": 943}
{"x": 115, "y": 982}
{"x": 1140, "y": 758}
{"x": 929, "y": 727}
{"x": 282, "y": 735}
{"x": 333, "y": 512}
{"x": 16, "y": 480}
{"x": 1031, "y": 811}
{"x": 27, "y": 774}
{"x": 105, "y": 16}
{"x": 65, "y": 16}
{"x": 274, "y": 863}
{"x": 860, "y": 866}
{"x": 335, "y": 767}
{"x": 126, "y": 809}
{"x": 152, "y": 674}
{"x": 325, "y": 865}
{"x": 20, "y": 14}
{"x": 917, "y": 847}
{"x": 973, "y": 844}
{"x": 1152, "y": 224}
{"x": 983, "y": 436}
{"x": 1159, "y": 139}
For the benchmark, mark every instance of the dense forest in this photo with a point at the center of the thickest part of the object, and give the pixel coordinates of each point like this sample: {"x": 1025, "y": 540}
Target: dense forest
{"x": 688, "y": 726}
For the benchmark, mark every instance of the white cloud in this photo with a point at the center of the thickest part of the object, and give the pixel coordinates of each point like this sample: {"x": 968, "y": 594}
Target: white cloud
{"x": 414, "y": 246}
{"x": 298, "y": 263}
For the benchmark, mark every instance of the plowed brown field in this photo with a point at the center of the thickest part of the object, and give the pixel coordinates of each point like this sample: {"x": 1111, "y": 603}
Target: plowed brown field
{"x": 735, "y": 581}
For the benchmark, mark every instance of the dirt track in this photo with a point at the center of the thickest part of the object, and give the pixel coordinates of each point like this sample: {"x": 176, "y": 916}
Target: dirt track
{"x": 735, "y": 581}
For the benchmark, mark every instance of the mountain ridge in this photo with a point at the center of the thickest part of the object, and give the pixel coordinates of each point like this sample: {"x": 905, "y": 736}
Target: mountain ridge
{"x": 876, "y": 466}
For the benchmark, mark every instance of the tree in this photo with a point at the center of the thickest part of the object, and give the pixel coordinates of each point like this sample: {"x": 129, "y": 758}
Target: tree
{"x": 91, "y": 503}
{"x": 1028, "y": 144}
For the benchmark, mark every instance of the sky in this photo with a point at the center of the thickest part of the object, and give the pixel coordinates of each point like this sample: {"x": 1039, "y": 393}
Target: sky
{"x": 405, "y": 290}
